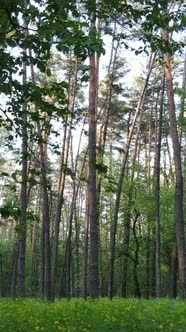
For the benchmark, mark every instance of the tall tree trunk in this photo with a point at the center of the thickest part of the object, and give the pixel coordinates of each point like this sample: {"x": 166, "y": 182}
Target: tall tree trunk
{"x": 60, "y": 198}
{"x": 127, "y": 223}
{"x": 148, "y": 166}
{"x": 92, "y": 192}
{"x": 182, "y": 107}
{"x": 1, "y": 276}
{"x": 66, "y": 266}
{"x": 157, "y": 193}
{"x": 13, "y": 271}
{"x": 85, "y": 249}
{"x": 45, "y": 224}
{"x": 32, "y": 259}
{"x": 173, "y": 271}
{"x": 106, "y": 109}
{"x": 23, "y": 192}
{"x": 178, "y": 172}
{"x": 45, "y": 262}
{"x": 105, "y": 120}
{"x": 77, "y": 258}
{"x": 76, "y": 185}
{"x": 120, "y": 182}
{"x": 137, "y": 292}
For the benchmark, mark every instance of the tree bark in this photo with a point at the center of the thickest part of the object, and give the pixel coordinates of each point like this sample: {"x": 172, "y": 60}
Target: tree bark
{"x": 45, "y": 260}
{"x": 178, "y": 172}
{"x": 137, "y": 292}
{"x": 13, "y": 271}
{"x": 45, "y": 226}
{"x": 157, "y": 193}
{"x": 23, "y": 193}
{"x": 92, "y": 192}
{"x": 1, "y": 276}
{"x": 173, "y": 271}
{"x": 85, "y": 249}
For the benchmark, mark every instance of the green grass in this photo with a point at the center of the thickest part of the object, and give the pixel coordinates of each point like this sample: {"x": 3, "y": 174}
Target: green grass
{"x": 102, "y": 315}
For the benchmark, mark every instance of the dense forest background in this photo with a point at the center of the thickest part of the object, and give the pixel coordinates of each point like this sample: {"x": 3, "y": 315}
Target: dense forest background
{"x": 92, "y": 163}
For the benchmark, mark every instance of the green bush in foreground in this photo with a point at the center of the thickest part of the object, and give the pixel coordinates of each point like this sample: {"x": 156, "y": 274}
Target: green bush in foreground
{"x": 102, "y": 315}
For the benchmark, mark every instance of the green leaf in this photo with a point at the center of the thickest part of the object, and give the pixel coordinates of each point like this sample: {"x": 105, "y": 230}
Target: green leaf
{"x": 4, "y": 174}
{"x": 48, "y": 72}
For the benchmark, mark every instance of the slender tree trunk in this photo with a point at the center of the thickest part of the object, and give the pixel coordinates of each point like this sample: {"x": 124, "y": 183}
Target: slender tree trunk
{"x": 64, "y": 159}
{"x": 147, "y": 248}
{"x": 106, "y": 110}
{"x": 127, "y": 223}
{"x": 137, "y": 292}
{"x": 32, "y": 259}
{"x": 45, "y": 262}
{"x": 126, "y": 241}
{"x": 66, "y": 266}
{"x": 157, "y": 194}
{"x": 178, "y": 172}
{"x": 148, "y": 236}
{"x": 92, "y": 192}
{"x": 76, "y": 186}
{"x": 105, "y": 121}
{"x": 77, "y": 258}
{"x": 1, "y": 276}
{"x": 63, "y": 277}
{"x": 85, "y": 249}
{"x": 183, "y": 99}
{"x": 13, "y": 276}
{"x": 173, "y": 271}
{"x": 45, "y": 224}
{"x": 148, "y": 166}
{"x": 182, "y": 134}
{"x": 23, "y": 196}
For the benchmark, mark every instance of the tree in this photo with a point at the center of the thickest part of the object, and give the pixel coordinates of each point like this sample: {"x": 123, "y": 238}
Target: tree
{"x": 178, "y": 168}
{"x": 157, "y": 192}
{"x": 92, "y": 192}
{"x": 23, "y": 191}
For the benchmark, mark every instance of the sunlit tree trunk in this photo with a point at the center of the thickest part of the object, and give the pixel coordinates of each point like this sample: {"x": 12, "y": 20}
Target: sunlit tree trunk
{"x": 105, "y": 114}
{"x": 178, "y": 172}
{"x": 157, "y": 192}
{"x": 92, "y": 192}
{"x": 148, "y": 166}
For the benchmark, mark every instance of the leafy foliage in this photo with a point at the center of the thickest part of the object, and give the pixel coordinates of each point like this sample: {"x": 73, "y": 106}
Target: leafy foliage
{"x": 119, "y": 315}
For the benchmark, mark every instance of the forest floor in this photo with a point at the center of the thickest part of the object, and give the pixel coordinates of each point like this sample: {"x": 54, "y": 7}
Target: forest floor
{"x": 131, "y": 315}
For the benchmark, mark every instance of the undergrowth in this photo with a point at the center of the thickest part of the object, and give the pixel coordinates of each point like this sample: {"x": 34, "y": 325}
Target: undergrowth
{"x": 131, "y": 315}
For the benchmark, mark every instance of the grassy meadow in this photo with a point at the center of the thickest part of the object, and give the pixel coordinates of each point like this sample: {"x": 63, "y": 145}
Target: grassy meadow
{"x": 131, "y": 315}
